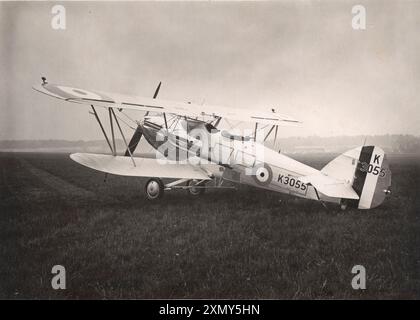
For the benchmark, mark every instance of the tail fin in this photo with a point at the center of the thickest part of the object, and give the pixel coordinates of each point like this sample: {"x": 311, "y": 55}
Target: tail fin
{"x": 367, "y": 169}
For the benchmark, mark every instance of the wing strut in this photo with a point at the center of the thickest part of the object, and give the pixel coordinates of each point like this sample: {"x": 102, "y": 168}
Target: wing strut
{"x": 122, "y": 135}
{"x": 102, "y": 127}
{"x": 255, "y": 134}
{"x": 275, "y": 135}
{"x": 166, "y": 123}
{"x": 269, "y": 133}
{"x": 114, "y": 151}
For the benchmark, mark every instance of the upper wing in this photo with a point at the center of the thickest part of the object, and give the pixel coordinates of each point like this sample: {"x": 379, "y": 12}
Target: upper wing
{"x": 158, "y": 105}
{"x": 330, "y": 186}
{"x": 145, "y": 167}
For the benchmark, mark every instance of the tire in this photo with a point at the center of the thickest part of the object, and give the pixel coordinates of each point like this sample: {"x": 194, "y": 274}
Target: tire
{"x": 195, "y": 191}
{"x": 154, "y": 189}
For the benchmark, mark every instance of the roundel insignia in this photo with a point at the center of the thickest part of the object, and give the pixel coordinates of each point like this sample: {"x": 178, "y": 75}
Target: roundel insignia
{"x": 80, "y": 93}
{"x": 75, "y": 93}
{"x": 263, "y": 174}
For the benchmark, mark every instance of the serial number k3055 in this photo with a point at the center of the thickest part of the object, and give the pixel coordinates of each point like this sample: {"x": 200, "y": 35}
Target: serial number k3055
{"x": 292, "y": 183}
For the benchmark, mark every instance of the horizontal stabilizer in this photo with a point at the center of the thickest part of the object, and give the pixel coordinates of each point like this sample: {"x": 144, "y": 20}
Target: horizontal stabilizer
{"x": 330, "y": 186}
{"x": 145, "y": 167}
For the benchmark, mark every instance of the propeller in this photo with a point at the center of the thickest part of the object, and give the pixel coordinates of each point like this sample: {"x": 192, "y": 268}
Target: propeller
{"x": 135, "y": 139}
{"x": 154, "y": 96}
{"x": 157, "y": 90}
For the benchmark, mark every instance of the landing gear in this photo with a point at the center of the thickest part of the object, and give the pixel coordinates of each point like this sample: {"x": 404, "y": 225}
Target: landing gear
{"x": 154, "y": 189}
{"x": 343, "y": 205}
{"x": 195, "y": 189}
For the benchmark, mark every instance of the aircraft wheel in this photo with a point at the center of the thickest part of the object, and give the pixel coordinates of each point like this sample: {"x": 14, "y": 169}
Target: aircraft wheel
{"x": 154, "y": 189}
{"x": 343, "y": 205}
{"x": 195, "y": 191}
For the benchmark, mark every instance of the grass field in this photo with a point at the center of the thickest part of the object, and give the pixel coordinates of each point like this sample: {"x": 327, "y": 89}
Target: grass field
{"x": 248, "y": 243}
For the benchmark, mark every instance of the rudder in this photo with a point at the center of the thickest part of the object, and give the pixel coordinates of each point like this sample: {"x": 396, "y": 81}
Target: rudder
{"x": 367, "y": 169}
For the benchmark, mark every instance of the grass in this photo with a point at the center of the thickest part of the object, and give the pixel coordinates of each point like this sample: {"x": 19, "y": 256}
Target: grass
{"x": 248, "y": 243}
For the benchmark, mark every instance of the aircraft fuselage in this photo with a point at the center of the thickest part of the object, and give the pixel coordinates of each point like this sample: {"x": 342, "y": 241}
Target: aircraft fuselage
{"x": 241, "y": 159}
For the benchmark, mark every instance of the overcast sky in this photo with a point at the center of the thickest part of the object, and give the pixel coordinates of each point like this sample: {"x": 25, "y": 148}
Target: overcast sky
{"x": 303, "y": 58}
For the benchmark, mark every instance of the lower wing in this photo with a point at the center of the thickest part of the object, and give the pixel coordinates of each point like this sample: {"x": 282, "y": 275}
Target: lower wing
{"x": 145, "y": 167}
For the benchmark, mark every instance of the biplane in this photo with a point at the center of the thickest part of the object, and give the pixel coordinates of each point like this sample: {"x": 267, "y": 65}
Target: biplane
{"x": 193, "y": 153}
